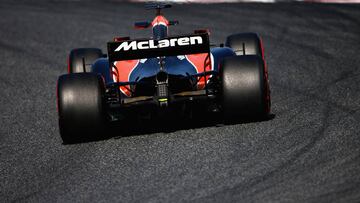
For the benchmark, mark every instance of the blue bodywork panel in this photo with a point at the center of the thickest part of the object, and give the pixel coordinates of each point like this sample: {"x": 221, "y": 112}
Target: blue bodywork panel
{"x": 174, "y": 65}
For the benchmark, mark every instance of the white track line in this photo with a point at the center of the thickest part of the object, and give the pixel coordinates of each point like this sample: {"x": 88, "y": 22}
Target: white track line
{"x": 247, "y": 1}
{"x": 206, "y": 1}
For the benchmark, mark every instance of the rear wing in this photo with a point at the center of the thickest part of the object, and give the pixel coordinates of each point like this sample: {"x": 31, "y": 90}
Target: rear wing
{"x": 151, "y": 48}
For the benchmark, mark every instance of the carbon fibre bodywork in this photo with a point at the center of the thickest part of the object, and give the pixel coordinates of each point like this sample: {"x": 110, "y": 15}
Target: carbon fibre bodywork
{"x": 139, "y": 93}
{"x": 177, "y": 66}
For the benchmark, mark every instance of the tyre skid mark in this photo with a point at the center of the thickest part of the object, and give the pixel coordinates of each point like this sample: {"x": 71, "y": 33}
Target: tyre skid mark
{"x": 320, "y": 134}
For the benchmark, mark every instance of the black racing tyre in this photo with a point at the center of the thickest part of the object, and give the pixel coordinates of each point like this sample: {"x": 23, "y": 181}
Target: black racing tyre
{"x": 81, "y": 60}
{"x": 80, "y": 100}
{"x": 245, "y": 44}
{"x": 244, "y": 88}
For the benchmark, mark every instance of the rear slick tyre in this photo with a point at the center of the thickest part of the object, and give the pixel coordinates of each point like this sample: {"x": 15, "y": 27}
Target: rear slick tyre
{"x": 80, "y": 107}
{"x": 244, "y": 87}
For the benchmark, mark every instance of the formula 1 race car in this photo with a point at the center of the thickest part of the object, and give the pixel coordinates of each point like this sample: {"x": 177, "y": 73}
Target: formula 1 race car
{"x": 163, "y": 73}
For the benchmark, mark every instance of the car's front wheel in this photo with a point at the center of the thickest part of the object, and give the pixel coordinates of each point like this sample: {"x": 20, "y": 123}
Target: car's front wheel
{"x": 245, "y": 44}
{"x": 80, "y": 60}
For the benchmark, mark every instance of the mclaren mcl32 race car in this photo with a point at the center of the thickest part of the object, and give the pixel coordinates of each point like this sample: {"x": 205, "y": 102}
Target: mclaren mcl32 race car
{"x": 162, "y": 73}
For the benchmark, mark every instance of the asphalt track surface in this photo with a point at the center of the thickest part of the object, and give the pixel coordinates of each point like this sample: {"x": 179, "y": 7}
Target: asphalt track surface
{"x": 309, "y": 152}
